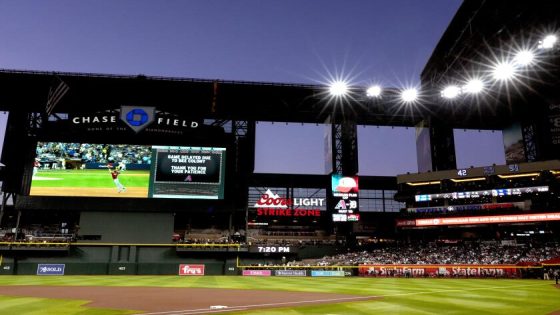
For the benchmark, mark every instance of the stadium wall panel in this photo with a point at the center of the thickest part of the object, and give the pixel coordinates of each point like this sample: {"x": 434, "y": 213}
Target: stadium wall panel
{"x": 128, "y": 227}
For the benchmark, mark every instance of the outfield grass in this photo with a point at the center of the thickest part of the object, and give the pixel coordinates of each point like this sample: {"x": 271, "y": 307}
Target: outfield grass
{"x": 398, "y": 296}
{"x": 89, "y": 178}
{"x": 39, "y": 306}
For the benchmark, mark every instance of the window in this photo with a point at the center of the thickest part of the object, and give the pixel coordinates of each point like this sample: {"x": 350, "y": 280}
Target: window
{"x": 379, "y": 201}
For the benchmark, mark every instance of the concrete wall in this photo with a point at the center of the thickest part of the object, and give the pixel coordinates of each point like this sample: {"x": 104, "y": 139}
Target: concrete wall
{"x": 128, "y": 227}
{"x": 118, "y": 259}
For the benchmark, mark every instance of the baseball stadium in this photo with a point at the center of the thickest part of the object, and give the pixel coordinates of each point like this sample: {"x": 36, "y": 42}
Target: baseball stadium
{"x": 139, "y": 195}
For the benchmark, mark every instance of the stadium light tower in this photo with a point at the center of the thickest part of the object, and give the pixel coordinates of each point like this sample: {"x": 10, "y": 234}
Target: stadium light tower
{"x": 451, "y": 92}
{"x": 473, "y": 86}
{"x": 548, "y": 42}
{"x": 503, "y": 71}
{"x": 409, "y": 95}
{"x": 338, "y": 88}
{"x": 524, "y": 57}
{"x": 374, "y": 91}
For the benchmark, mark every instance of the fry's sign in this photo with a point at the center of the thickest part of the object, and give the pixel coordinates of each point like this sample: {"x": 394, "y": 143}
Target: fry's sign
{"x": 271, "y": 204}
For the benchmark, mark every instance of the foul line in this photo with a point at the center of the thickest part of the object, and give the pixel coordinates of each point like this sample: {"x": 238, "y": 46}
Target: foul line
{"x": 241, "y": 307}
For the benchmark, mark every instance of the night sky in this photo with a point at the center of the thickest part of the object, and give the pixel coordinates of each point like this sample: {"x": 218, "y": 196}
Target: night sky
{"x": 288, "y": 41}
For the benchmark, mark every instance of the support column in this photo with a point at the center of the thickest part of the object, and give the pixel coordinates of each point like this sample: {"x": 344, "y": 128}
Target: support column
{"x": 435, "y": 146}
{"x": 5, "y": 197}
{"x": 345, "y": 148}
{"x": 344, "y": 145}
{"x": 18, "y": 154}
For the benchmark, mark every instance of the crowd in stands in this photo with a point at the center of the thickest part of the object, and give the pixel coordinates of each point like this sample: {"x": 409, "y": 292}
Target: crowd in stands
{"x": 255, "y": 241}
{"x": 217, "y": 236}
{"x": 37, "y": 233}
{"x": 53, "y": 152}
{"x": 488, "y": 253}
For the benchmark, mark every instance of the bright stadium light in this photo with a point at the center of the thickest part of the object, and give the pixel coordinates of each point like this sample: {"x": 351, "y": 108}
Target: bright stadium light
{"x": 338, "y": 88}
{"x": 451, "y": 92}
{"x": 503, "y": 71}
{"x": 473, "y": 86}
{"x": 548, "y": 42}
{"x": 374, "y": 91}
{"x": 524, "y": 58}
{"x": 409, "y": 95}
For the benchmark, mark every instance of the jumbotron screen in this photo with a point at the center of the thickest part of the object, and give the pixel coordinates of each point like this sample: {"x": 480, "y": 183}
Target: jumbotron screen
{"x": 129, "y": 171}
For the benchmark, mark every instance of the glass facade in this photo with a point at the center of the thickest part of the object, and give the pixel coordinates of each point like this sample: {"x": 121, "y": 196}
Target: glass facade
{"x": 379, "y": 201}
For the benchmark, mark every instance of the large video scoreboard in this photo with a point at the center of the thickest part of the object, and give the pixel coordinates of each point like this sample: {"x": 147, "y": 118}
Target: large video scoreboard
{"x": 127, "y": 170}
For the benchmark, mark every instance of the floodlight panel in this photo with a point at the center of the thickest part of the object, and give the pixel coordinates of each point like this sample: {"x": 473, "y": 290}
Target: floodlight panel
{"x": 374, "y": 91}
{"x": 409, "y": 95}
{"x": 451, "y": 91}
{"x": 338, "y": 88}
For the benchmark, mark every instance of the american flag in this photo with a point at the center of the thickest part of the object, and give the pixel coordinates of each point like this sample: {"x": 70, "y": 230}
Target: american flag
{"x": 55, "y": 94}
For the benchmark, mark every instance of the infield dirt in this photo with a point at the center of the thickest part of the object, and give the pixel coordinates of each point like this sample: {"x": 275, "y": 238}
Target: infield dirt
{"x": 179, "y": 300}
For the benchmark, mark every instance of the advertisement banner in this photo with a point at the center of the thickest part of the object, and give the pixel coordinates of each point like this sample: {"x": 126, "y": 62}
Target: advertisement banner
{"x": 327, "y": 273}
{"x": 404, "y": 222}
{"x": 258, "y": 273}
{"x": 136, "y": 118}
{"x": 478, "y": 271}
{"x": 50, "y": 269}
{"x": 272, "y": 204}
{"x": 191, "y": 270}
{"x": 290, "y": 273}
{"x": 517, "y": 218}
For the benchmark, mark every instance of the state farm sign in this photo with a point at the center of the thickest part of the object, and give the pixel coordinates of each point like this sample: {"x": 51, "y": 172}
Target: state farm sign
{"x": 191, "y": 270}
{"x": 271, "y": 204}
{"x": 481, "y": 271}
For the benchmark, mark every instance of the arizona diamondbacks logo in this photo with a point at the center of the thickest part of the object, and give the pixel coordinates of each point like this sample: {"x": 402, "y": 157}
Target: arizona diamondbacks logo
{"x": 137, "y": 118}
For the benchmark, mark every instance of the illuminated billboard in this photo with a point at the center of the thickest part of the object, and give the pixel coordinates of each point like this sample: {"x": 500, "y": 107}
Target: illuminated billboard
{"x": 498, "y": 192}
{"x": 345, "y": 190}
{"x": 515, "y": 218}
{"x": 129, "y": 171}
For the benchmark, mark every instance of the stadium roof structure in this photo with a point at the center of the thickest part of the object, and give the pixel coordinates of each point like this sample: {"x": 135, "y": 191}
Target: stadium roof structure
{"x": 28, "y": 91}
{"x": 484, "y": 34}
{"x": 197, "y": 98}
{"x": 479, "y": 31}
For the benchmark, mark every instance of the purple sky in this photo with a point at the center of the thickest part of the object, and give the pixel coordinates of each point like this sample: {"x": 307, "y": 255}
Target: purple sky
{"x": 280, "y": 41}
{"x": 290, "y": 41}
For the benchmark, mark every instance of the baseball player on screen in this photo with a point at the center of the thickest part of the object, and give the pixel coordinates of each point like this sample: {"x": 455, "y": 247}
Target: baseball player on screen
{"x": 36, "y": 166}
{"x": 115, "y": 175}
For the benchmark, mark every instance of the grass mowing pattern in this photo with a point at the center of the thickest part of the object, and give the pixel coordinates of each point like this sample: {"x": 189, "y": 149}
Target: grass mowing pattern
{"x": 29, "y": 306}
{"x": 90, "y": 178}
{"x": 399, "y": 296}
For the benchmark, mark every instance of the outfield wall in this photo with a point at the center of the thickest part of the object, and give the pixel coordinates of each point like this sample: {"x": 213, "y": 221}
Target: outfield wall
{"x": 116, "y": 260}
{"x": 143, "y": 259}
{"x": 216, "y": 259}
